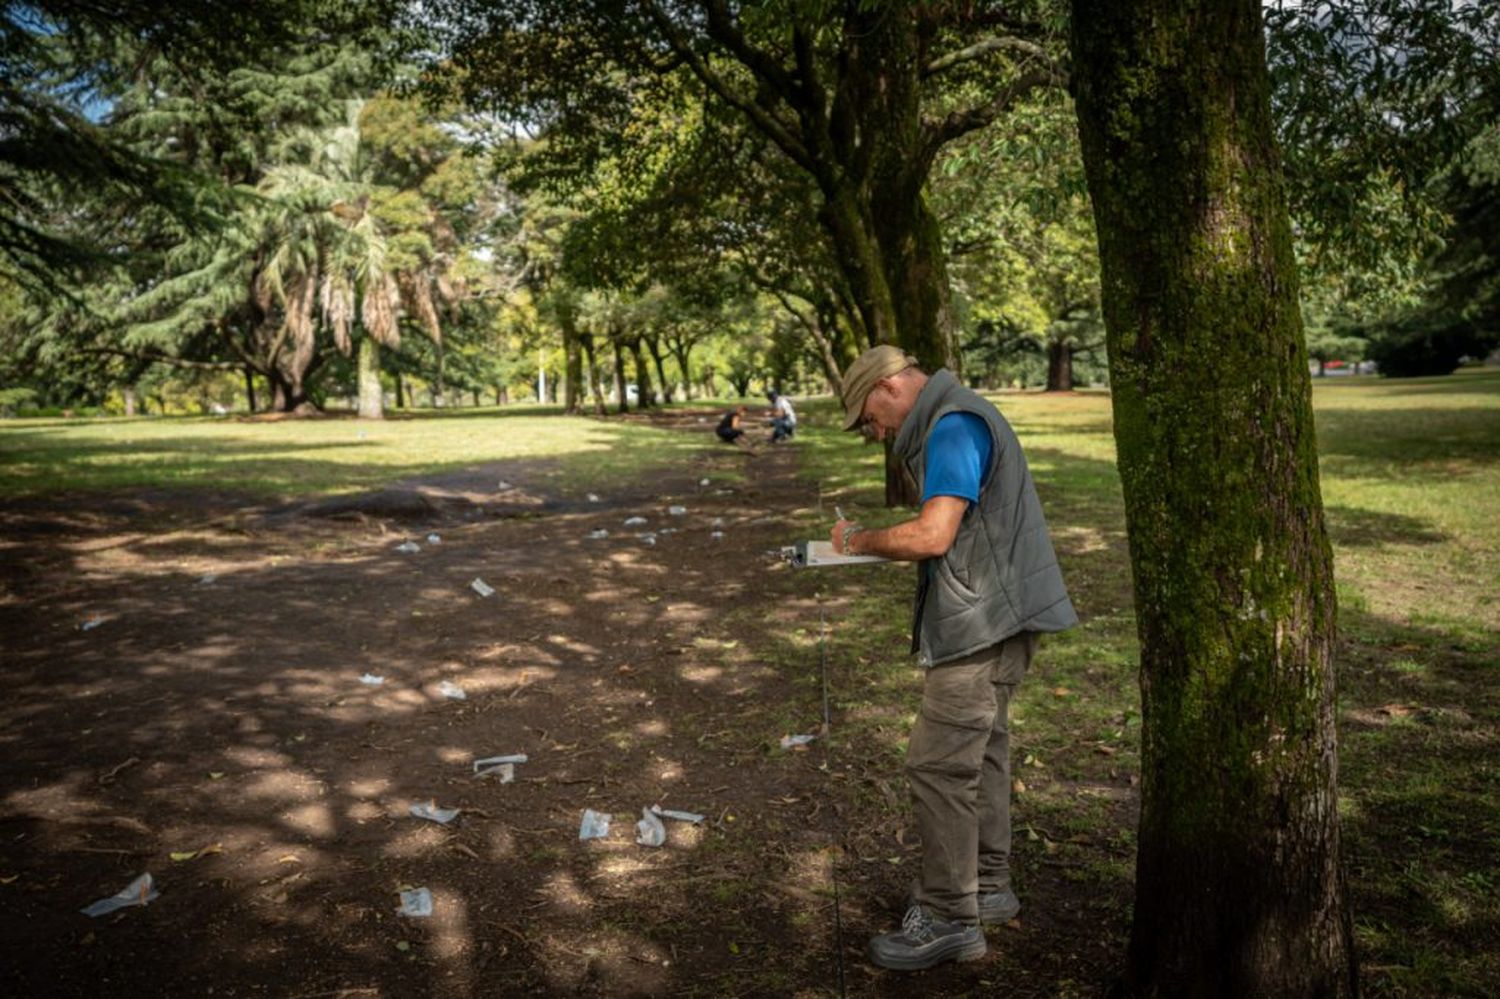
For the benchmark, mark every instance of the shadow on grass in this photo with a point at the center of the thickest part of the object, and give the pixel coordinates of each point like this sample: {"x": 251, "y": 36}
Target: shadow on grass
{"x": 1419, "y": 731}
{"x": 1388, "y": 443}
{"x": 1352, "y": 527}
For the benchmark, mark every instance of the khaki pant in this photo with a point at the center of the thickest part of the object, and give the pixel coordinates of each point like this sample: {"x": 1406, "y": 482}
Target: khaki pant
{"x": 958, "y": 764}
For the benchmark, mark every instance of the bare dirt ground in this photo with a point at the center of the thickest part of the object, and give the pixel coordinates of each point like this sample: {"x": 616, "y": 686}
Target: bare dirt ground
{"x": 181, "y": 677}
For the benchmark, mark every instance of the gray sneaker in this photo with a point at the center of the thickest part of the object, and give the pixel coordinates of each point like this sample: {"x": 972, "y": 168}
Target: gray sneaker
{"x": 923, "y": 942}
{"x": 998, "y": 906}
{"x": 994, "y": 906}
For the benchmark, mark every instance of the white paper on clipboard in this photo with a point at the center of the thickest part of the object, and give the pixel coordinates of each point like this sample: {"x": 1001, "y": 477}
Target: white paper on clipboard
{"x": 817, "y": 554}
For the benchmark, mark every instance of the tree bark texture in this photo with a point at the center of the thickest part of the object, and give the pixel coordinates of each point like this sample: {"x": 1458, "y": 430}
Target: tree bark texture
{"x": 653, "y": 344}
{"x": 645, "y": 392}
{"x": 1238, "y": 884}
{"x": 573, "y": 366}
{"x": 623, "y": 403}
{"x": 871, "y": 159}
{"x": 1059, "y": 366}
{"x": 682, "y": 350}
{"x": 371, "y": 400}
{"x": 595, "y": 379}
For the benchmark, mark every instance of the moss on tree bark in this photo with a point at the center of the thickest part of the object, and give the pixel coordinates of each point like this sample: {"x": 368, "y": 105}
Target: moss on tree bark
{"x": 1238, "y": 887}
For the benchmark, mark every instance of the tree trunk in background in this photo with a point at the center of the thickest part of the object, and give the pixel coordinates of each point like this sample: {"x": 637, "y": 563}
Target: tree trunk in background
{"x": 653, "y": 344}
{"x": 1059, "y": 367}
{"x": 371, "y": 401}
{"x": 623, "y": 402}
{"x": 400, "y": 391}
{"x": 438, "y": 389}
{"x": 596, "y": 382}
{"x": 1238, "y": 882}
{"x": 250, "y": 388}
{"x": 645, "y": 393}
{"x": 681, "y": 350}
{"x": 573, "y": 366}
{"x": 130, "y": 399}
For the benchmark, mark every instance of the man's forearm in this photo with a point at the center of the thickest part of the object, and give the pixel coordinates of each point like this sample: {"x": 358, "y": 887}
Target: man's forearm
{"x": 908, "y": 541}
{"x": 927, "y": 535}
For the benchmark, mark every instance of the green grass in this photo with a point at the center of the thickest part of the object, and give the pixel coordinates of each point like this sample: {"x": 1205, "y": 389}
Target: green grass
{"x": 1411, "y": 486}
{"x": 320, "y": 456}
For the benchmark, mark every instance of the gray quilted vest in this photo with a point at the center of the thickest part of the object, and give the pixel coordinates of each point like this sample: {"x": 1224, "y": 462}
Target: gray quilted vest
{"x": 1001, "y": 576}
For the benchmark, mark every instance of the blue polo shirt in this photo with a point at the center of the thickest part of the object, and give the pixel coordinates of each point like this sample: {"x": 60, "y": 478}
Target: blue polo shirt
{"x": 958, "y": 452}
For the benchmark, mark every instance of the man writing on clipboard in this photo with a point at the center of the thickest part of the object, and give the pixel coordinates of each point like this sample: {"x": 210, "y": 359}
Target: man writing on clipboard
{"x": 988, "y": 586}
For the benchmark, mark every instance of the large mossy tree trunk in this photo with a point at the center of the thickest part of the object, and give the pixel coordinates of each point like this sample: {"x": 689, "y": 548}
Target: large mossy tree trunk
{"x": 371, "y": 396}
{"x": 1238, "y": 883}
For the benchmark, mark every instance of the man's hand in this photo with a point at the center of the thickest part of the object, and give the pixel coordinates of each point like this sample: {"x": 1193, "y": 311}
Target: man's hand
{"x": 928, "y": 535}
{"x": 837, "y": 535}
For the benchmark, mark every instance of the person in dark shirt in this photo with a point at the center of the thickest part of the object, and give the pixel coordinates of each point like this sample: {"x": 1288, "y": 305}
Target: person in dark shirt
{"x": 730, "y": 428}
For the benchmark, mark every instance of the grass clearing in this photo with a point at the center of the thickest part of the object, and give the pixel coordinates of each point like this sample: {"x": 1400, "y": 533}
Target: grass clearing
{"x": 322, "y": 456}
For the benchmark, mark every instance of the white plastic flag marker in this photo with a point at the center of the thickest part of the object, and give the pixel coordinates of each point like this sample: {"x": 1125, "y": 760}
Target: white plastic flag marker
{"x": 482, "y": 588}
{"x": 432, "y": 813}
{"x": 138, "y": 892}
{"x": 649, "y": 831}
{"x": 503, "y": 767}
{"x": 595, "y": 825}
{"x": 416, "y": 902}
{"x": 672, "y": 813}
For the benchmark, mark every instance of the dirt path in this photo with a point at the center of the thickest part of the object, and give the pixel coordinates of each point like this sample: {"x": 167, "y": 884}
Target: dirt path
{"x": 213, "y": 705}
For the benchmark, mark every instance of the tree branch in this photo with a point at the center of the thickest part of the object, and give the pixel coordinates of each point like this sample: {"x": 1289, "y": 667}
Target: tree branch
{"x": 761, "y": 118}
{"x": 156, "y": 356}
{"x": 983, "y": 48}
{"x": 939, "y": 133}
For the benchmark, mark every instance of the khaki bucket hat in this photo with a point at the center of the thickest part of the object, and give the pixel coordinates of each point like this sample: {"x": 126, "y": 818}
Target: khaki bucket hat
{"x": 861, "y": 376}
